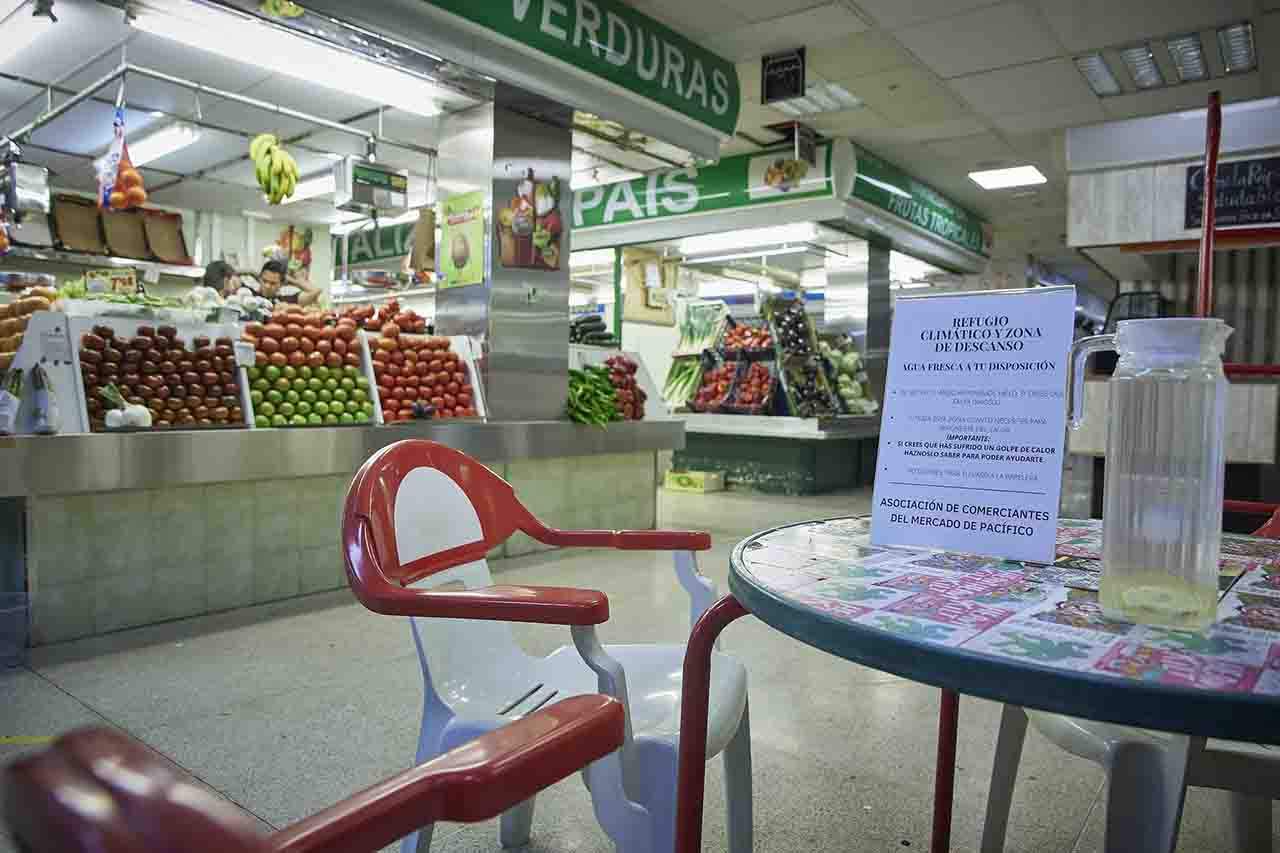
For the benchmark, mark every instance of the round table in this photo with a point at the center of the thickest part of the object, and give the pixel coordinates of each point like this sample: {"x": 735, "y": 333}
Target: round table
{"x": 1020, "y": 633}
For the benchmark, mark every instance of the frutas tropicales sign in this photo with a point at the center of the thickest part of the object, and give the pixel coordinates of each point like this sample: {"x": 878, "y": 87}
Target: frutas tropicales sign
{"x": 610, "y": 40}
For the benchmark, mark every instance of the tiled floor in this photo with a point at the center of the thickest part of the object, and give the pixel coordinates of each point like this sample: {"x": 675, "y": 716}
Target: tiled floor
{"x": 285, "y": 708}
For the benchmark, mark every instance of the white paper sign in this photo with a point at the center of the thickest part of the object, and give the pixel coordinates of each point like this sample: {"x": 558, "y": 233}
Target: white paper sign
{"x": 971, "y": 439}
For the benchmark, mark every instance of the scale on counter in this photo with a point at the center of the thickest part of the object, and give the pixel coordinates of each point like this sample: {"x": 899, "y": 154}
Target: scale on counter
{"x": 364, "y": 187}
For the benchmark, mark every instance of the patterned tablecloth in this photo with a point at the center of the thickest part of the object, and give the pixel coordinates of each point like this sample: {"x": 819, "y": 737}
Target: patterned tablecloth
{"x": 1046, "y": 615}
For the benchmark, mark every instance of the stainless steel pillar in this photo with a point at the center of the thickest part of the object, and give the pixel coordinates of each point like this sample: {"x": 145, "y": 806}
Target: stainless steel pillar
{"x": 879, "y": 317}
{"x": 522, "y": 315}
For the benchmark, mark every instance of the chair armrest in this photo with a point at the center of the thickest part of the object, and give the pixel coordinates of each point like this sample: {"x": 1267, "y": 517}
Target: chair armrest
{"x": 550, "y": 605}
{"x": 474, "y": 782}
{"x": 624, "y": 540}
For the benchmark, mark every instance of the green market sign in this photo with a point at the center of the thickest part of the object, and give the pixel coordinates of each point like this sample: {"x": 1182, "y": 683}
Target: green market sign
{"x": 734, "y": 182}
{"x": 376, "y": 244}
{"x": 614, "y": 42}
{"x": 884, "y": 185}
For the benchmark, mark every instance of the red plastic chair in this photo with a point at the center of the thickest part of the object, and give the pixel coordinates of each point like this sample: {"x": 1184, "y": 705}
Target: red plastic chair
{"x": 98, "y": 791}
{"x": 419, "y": 519}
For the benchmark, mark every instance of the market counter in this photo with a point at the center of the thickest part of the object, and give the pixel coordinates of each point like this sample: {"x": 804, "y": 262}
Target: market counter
{"x": 783, "y": 455}
{"x": 105, "y": 532}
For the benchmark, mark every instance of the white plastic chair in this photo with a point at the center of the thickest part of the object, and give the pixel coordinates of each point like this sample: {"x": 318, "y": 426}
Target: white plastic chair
{"x": 1147, "y": 777}
{"x": 418, "y": 520}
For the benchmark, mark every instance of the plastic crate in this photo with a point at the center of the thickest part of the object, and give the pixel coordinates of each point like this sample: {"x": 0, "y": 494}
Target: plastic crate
{"x": 735, "y": 405}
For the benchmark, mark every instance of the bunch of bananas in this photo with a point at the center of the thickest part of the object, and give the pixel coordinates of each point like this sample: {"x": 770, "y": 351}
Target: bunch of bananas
{"x": 275, "y": 169}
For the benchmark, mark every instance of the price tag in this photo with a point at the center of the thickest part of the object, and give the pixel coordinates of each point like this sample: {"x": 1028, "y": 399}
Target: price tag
{"x": 54, "y": 344}
{"x": 245, "y": 354}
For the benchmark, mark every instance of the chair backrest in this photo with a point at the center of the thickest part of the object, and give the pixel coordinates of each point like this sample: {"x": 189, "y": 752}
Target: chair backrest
{"x": 426, "y": 507}
{"x": 459, "y": 509}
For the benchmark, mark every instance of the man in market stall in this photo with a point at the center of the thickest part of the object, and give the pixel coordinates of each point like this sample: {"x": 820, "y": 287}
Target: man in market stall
{"x": 276, "y": 284}
{"x": 221, "y": 276}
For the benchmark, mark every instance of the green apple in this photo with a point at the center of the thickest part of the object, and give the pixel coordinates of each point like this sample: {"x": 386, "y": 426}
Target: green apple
{"x": 304, "y": 372}
{"x": 271, "y": 373}
{"x": 350, "y": 372}
{"x": 287, "y": 409}
{"x": 299, "y": 385}
{"x": 262, "y": 421}
{"x": 279, "y": 421}
{"x": 260, "y": 384}
{"x": 331, "y": 384}
{"x": 255, "y": 373}
{"x": 255, "y": 397}
{"x": 308, "y": 396}
{"x": 321, "y": 373}
{"x": 367, "y": 408}
{"x": 321, "y": 408}
{"x": 362, "y": 418}
{"x": 359, "y": 395}
{"x": 330, "y": 419}
{"x": 275, "y": 397}
{"x": 362, "y": 383}
{"x": 324, "y": 395}
{"x": 339, "y": 396}
{"x": 303, "y": 408}
{"x": 353, "y": 406}
{"x": 293, "y": 397}
{"x": 283, "y": 384}
{"x": 347, "y": 383}
{"x": 314, "y": 420}
{"x": 289, "y": 372}
{"x": 266, "y": 409}
{"x": 297, "y": 420}
{"x": 314, "y": 384}
{"x": 346, "y": 418}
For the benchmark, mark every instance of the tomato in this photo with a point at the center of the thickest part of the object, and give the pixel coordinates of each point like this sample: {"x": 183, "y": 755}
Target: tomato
{"x": 459, "y": 377}
{"x": 464, "y": 398}
{"x": 397, "y": 357}
{"x": 445, "y": 413}
{"x": 438, "y": 402}
{"x": 471, "y": 413}
{"x": 393, "y": 370}
{"x": 422, "y": 369}
{"x": 437, "y": 364}
{"x": 323, "y": 347}
{"x": 410, "y": 357}
{"x": 450, "y": 401}
{"x": 388, "y": 416}
{"x": 452, "y": 388}
{"x": 353, "y": 359}
{"x": 459, "y": 411}
{"x": 333, "y": 359}
{"x": 410, "y": 381}
{"x": 385, "y": 392}
{"x": 340, "y": 346}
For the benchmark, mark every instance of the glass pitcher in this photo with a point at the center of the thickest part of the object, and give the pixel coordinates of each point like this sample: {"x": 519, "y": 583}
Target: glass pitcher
{"x": 1162, "y": 511}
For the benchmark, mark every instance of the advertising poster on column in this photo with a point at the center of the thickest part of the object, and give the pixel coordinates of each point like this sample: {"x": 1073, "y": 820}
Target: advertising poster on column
{"x": 462, "y": 239}
{"x": 974, "y": 423}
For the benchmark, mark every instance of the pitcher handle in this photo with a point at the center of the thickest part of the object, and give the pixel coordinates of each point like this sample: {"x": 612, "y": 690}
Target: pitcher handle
{"x": 1080, "y": 352}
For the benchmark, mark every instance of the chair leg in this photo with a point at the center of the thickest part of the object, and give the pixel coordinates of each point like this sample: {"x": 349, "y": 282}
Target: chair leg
{"x": 737, "y": 786}
{"x": 1146, "y": 788}
{"x": 1250, "y": 823}
{"x": 515, "y": 824}
{"x": 1004, "y": 774}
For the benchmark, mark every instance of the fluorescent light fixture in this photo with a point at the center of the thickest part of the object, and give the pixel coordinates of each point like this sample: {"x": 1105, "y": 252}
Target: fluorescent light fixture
{"x": 591, "y": 258}
{"x": 1098, "y": 75}
{"x": 1236, "y": 44}
{"x": 162, "y": 143}
{"x": 246, "y": 39}
{"x": 256, "y": 214}
{"x": 1142, "y": 66}
{"x": 21, "y": 28}
{"x": 885, "y": 185}
{"x": 742, "y": 256}
{"x": 317, "y": 185}
{"x": 819, "y": 97}
{"x": 1188, "y": 57}
{"x": 999, "y": 179}
{"x": 798, "y": 232}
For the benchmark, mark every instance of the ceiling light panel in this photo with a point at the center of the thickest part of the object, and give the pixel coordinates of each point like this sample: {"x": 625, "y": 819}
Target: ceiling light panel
{"x": 1188, "y": 57}
{"x": 243, "y": 38}
{"x": 1098, "y": 75}
{"x": 819, "y": 97}
{"x": 999, "y": 179}
{"x": 1142, "y": 66}
{"x": 22, "y": 28}
{"x": 1236, "y": 44}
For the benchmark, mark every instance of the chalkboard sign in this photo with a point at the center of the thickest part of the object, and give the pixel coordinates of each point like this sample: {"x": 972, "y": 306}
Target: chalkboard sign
{"x": 1248, "y": 193}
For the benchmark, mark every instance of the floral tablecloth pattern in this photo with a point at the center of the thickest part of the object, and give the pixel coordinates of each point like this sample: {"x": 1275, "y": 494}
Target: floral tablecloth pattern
{"x": 1038, "y": 614}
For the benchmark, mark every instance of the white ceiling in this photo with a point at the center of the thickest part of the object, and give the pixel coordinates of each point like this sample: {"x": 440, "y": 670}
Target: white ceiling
{"x": 65, "y": 55}
{"x": 955, "y": 85}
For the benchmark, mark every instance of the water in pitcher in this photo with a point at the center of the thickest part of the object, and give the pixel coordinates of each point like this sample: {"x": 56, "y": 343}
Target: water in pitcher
{"x": 1163, "y": 497}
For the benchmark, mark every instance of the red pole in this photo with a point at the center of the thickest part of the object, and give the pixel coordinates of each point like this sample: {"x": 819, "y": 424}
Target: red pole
{"x": 695, "y": 694}
{"x": 1212, "y": 138}
{"x": 944, "y": 776}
